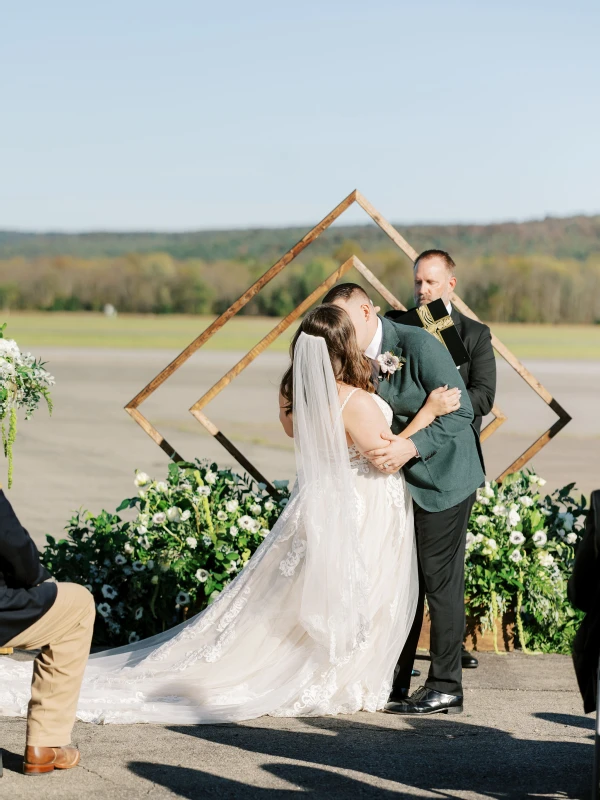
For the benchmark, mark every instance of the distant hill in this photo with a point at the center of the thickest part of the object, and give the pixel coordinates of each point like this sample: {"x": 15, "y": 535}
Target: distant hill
{"x": 561, "y": 238}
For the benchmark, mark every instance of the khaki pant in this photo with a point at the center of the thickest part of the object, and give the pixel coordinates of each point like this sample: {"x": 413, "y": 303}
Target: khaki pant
{"x": 64, "y": 635}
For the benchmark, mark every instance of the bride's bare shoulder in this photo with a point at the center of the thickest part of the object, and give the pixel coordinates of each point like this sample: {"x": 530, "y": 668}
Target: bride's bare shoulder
{"x": 356, "y": 400}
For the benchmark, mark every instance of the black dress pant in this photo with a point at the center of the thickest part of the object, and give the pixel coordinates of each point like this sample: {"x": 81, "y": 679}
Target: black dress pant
{"x": 441, "y": 540}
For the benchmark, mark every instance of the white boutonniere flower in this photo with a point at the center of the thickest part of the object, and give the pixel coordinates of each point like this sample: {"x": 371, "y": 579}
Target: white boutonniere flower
{"x": 389, "y": 363}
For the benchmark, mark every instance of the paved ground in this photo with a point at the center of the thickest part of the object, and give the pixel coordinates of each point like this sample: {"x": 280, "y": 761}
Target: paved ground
{"x": 86, "y": 454}
{"x": 522, "y": 735}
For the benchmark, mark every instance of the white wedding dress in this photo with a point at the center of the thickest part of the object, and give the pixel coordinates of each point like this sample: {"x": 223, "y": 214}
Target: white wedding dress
{"x": 315, "y": 622}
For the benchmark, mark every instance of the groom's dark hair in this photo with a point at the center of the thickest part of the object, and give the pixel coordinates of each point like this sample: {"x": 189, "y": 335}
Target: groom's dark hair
{"x": 344, "y": 291}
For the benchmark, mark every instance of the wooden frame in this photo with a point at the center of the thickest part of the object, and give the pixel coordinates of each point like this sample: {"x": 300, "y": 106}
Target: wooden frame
{"x": 196, "y": 410}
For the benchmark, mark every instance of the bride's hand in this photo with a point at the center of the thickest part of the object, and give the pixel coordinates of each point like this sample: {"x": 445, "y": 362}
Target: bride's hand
{"x": 443, "y": 401}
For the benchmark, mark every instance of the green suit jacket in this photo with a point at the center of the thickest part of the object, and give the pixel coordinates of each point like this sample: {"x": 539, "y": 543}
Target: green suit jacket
{"x": 450, "y": 465}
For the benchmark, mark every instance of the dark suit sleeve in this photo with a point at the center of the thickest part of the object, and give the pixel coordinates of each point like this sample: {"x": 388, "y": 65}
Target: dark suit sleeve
{"x": 436, "y": 368}
{"x": 582, "y": 586}
{"x": 482, "y": 375}
{"x": 18, "y": 549}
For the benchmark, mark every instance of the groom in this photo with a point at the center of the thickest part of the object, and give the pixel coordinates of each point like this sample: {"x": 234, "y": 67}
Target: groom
{"x": 442, "y": 466}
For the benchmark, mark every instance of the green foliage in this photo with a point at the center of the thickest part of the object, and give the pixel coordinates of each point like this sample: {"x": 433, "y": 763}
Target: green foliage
{"x": 520, "y": 552}
{"x": 185, "y": 539}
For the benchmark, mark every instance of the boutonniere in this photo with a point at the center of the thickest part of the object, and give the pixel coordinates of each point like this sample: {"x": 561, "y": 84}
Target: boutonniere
{"x": 389, "y": 363}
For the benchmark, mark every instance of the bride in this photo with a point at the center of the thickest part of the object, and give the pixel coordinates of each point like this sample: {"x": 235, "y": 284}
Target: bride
{"x": 315, "y": 622}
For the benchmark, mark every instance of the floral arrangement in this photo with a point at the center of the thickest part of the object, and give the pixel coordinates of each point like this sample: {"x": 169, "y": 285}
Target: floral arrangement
{"x": 23, "y": 383}
{"x": 520, "y": 552}
{"x": 188, "y": 537}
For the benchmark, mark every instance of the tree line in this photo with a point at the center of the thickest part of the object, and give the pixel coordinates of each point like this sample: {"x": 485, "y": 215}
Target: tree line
{"x": 500, "y": 287}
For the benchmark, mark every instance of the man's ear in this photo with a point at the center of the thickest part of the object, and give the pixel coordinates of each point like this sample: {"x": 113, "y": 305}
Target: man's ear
{"x": 452, "y": 283}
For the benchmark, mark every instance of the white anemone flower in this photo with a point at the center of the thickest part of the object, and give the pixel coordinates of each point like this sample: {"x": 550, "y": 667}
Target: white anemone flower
{"x": 204, "y": 491}
{"x": 264, "y": 532}
{"x": 539, "y": 538}
{"x": 109, "y": 592}
{"x": 142, "y": 529}
{"x": 255, "y": 509}
{"x": 470, "y": 539}
{"x": 201, "y": 575}
{"x": 526, "y": 501}
{"x": 245, "y": 522}
{"x": 516, "y": 556}
{"x": 141, "y": 479}
{"x": 500, "y": 510}
{"x": 221, "y": 515}
{"x": 159, "y": 518}
{"x": 191, "y": 541}
{"x": 186, "y": 515}
{"x": 233, "y": 530}
{"x": 138, "y": 566}
{"x": 128, "y": 547}
{"x": 210, "y": 478}
{"x": 103, "y": 609}
{"x": 232, "y": 506}
{"x": 269, "y": 506}
{"x": 120, "y": 560}
{"x": 482, "y": 519}
{"x": 516, "y": 538}
{"x": 139, "y": 613}
{"x": 571, "y": 538}
{"x": 206, "y": 541}
{"x": 162, "y": 486}
{"x": 182, "y": 598}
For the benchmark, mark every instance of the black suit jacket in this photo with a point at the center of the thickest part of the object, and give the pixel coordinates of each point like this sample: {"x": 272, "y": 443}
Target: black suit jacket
{"x": 584, "y": 593}
{"x": 479, "y": 373}
{"x": 24, "y": 597}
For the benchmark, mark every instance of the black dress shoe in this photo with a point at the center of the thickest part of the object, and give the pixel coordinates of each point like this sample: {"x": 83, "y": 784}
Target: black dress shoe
{"x": 468, "y": 660}
{"x": 398, "y": 696}
{"x": 427, "y": 701}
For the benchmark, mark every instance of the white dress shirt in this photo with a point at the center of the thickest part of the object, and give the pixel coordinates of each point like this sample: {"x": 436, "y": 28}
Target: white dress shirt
{"x": 374, "y": 349}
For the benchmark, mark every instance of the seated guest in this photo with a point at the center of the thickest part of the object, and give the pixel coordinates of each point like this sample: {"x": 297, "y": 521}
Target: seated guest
{"x": 58, "y": 620}
{"x": 584, "y": 593}
{"x": 435, "y": 279}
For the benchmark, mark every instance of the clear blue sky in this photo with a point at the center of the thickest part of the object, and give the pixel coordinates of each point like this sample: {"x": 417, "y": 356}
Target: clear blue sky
{"x": 178, "y": 115}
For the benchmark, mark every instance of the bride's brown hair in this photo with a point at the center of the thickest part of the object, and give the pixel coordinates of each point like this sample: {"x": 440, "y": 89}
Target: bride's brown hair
{"x": 349, "y": 364}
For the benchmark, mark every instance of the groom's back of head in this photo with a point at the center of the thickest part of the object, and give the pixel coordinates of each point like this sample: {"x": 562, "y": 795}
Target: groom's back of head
{"x": 345, "y": 292}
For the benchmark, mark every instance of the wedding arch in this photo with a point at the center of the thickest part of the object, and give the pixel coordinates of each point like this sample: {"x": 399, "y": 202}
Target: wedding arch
{"x": 197, "y": 410}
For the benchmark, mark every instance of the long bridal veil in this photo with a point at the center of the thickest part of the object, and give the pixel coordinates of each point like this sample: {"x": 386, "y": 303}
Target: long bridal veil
{"x": 305, "y": 628}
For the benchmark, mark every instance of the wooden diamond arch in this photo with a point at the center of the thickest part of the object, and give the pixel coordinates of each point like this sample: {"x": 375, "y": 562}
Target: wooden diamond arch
{"x": 196, "y": 410}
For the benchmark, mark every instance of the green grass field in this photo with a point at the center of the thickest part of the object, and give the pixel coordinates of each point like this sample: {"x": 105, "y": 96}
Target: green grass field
{"x": 175, "y": 332}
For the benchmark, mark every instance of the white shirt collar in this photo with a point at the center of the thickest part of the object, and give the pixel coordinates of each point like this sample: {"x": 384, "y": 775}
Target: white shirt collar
{"x": 374, "y": 349}
{"x": 449, "y": 308}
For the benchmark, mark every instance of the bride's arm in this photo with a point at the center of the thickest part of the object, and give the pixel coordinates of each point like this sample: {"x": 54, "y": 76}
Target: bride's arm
{"x": 364, "y": 422}
{"x": 286, "y": 419}
{"x": 440, "y": 402}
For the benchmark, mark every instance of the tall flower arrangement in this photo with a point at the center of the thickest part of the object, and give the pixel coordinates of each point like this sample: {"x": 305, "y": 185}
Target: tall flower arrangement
{"x": 188, "y": 537}
{"x": 520, "y": 551}
{"x": 23, "y": 383}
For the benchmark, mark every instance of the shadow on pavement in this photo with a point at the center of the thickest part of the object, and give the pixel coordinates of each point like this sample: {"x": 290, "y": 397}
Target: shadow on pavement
{"x": 572, "y": 720}
{"x": 435, "y": 755}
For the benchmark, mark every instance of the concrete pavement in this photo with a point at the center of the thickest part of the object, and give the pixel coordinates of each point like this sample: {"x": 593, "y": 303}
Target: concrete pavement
{"x": 523, "y": 734}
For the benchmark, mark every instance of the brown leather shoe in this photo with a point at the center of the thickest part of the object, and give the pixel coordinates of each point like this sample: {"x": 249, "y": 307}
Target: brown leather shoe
{"x": 39, "y": 760}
